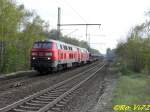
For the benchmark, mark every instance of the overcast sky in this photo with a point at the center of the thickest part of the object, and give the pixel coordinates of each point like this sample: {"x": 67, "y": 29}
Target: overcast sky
{"x": 116, "y": 16}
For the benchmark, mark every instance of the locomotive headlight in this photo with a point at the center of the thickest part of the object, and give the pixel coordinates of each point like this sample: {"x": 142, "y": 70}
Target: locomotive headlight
{"x": 34, "y": 54}
{"x": 48, "y": 54}
{"x": 33, "y": 58}
{"x": 48, "y": 58}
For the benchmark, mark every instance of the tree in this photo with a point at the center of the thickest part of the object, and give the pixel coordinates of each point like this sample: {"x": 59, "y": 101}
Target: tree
{"x": 19, "y": 28}
{"x": 10, "y": 17}
{"x": 135, "y": 53}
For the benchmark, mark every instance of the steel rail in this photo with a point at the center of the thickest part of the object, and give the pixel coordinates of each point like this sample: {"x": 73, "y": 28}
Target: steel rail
{"x": 18, "y": 103}
{"x": 51, "y": 104}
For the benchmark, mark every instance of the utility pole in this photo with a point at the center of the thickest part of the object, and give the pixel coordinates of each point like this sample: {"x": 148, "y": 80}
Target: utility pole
{"x": 58, "y": 23}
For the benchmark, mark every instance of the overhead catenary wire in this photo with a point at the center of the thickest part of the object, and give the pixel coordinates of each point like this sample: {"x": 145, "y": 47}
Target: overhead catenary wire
{"x": 74, "y": 10}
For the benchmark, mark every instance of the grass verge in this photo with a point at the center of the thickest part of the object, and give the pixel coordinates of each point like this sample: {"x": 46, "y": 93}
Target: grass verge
{"x": 131, "y": 90}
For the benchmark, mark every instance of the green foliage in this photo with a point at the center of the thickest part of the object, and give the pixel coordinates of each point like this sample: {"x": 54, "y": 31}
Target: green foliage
{"x": 125, "y": 71}
{"x": 19, "y": 28}
{"x": 135, "y": 53}
{"x": 132, "y": 90}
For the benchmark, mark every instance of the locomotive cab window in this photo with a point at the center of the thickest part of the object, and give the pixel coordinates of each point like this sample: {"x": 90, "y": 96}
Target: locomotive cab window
{"x": 42, "y": 45}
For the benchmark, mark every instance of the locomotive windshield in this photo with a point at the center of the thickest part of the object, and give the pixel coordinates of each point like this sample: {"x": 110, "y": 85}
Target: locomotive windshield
{"x": 42, "y": 45}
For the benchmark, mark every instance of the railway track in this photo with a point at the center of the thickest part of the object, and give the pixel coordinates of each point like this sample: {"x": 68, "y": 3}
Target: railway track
{"x": 22, "y": 81}
{"x": 50, "y": 99}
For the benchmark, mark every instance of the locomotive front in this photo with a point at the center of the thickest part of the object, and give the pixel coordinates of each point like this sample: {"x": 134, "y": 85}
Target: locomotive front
{"x": 42, "y": 55}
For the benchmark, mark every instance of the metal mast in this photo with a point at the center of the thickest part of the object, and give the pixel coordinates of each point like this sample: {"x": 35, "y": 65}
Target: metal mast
{"x": 58, "y": 24}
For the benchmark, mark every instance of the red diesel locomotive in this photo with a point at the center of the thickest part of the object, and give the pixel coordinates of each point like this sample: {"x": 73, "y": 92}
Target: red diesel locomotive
{"x": 52, "y": 55}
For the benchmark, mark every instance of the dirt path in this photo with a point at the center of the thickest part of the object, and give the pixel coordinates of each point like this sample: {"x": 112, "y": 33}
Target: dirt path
{"x": 104, "y": 103}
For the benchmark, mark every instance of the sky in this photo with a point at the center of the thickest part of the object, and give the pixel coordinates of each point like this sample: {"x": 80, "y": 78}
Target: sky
{"x": 116, "y": 17}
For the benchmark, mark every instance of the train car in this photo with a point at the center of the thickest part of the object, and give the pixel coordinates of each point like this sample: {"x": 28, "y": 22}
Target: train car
{"x": 52, "y": 55}
{"x": 84, "y": 56}
{"x": 95, "y": 57}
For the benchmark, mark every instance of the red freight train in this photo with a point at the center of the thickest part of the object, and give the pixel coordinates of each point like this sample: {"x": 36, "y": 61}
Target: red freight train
{"x": 52, "y": 55}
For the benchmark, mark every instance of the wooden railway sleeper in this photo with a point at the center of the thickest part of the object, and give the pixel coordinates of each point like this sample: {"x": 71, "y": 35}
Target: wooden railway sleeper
{"x": 29, "y": 107}
{"x": 37, "y": 101}
{"x": 56, "y": 109}
{"x": 19, "y": 110}
{"x": 35, "y": 104}
{"x": 47, "y": 97}
{"x": 59, "y": 105}
{"x": 41, "y": 99}
{"x": 62, "y": 102}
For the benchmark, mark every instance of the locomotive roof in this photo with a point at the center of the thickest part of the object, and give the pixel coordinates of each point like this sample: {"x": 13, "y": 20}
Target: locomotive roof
{"x": 60, "y": 42}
